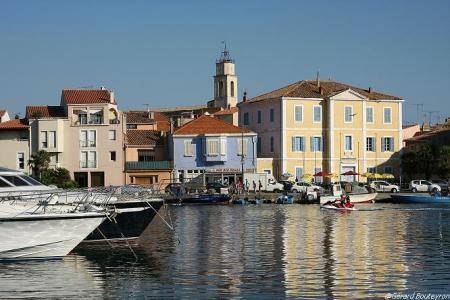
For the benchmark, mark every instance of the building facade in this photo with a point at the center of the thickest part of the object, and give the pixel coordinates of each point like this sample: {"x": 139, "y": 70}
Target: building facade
{"x": 314, "y": 125}
{"x": 211, "y": 149}
{"x": 14, "y": 145}
{"x": 146, "y": 149}
{"x": 84, "y": 134}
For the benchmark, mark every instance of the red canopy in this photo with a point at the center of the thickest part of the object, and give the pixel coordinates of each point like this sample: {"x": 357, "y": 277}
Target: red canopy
{"x": 321, "y": 174}
{"x": 350, "y": 173}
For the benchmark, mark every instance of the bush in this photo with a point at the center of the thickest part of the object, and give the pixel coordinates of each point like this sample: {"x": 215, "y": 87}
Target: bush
{"x": 59, "y": 177}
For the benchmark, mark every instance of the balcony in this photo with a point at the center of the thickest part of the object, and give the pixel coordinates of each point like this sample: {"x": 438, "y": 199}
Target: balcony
{"x": 87, "y": 143}
{"x": 148, "y": 165}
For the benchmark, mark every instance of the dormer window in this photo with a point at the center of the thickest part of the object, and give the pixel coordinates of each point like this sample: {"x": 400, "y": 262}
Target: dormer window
{"x": 82, "y": 117}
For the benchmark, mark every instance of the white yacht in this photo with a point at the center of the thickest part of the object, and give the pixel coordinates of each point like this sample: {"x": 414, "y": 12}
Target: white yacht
{"x": 14, "y": 182}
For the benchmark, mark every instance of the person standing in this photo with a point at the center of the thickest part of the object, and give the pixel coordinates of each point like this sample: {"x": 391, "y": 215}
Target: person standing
{"x": 254, "y": 186}
{"x": 259, "y": 186}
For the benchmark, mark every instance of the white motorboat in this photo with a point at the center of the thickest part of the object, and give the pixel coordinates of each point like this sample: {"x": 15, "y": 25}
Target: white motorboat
{"x": 45, "y": 235}
{"x": 355, "y": 197}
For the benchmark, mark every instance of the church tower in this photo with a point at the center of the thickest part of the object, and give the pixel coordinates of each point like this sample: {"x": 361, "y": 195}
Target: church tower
{"x": 225, "y": 81}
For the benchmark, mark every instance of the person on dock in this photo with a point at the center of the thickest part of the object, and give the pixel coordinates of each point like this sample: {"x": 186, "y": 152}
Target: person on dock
{"x": 247, "y": 186}
{"x": 254, "y": 186}
{"x": 259, "y": 186}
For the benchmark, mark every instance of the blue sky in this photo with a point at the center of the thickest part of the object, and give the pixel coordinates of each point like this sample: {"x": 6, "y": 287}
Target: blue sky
{"x": 163, "y": 52}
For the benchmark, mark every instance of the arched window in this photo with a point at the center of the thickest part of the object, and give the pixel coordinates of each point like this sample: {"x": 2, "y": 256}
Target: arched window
{"x": 232, "y": 89}
{"x": 221, "y": 88}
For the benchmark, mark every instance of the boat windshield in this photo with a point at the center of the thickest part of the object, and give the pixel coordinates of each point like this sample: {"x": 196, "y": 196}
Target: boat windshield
{"x": 30, "y": 180}
{"x": 15, "y": 180}
{"x": 3, "y": 183}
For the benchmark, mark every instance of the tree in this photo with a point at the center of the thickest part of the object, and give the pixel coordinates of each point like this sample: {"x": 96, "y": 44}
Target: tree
{"x": 59, "y": 177}
{"x": 425, "y": 160}
{"x": 409, "y": 164}
{"x": 443, "y": 162}
{"x": 39, "y": 161}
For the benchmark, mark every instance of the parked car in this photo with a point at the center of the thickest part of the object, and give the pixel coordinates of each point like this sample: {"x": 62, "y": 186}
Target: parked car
{"x": 216, "y": 186}
{"x": 423, "y": 186}
{"x": 384, "y": 186}
{"x": 302, "y": 186}
{"x": 444, "y": 184}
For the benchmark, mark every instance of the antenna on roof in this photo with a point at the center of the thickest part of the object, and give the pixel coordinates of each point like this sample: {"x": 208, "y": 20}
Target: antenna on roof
{"x": 317, "y": 78}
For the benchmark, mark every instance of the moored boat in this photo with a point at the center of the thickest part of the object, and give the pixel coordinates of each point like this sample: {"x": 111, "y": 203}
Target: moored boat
{"x": 285, "y": 199}
{"x": 436, "y": 199}
{"x": 355, "y": 197}
{"x": 207, "y": 199}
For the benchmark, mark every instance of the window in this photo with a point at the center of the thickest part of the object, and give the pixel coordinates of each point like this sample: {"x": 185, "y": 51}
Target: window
{"x": 221, "y": 88}
{"x": 267, "y": 171}
{"x": 298, "y": 113}
{"x": 112, "y": 135}
{"x": 96, "y": 117}
{"x": 52, "y": 139}
{"x": 82, "y": 117}
{"x": 232, "y": 89}
{"x": 44, "y": 141}
{"x": 259, "y": 117}
{"x": 369, "y": 115}
{"x": 242, "y": 147}
{"x": 146, "y": 155}
{"x": 246, "y": 119}
{"x": 88, "y": 138}
{"x": 298, "y": 173}
{"x": 388, "y": 170}
{"x": 298, "y": 143}
{"x": 20, "y": 160}
{"x": 348, "y": 114}
{"x": 316, "y": 143}
{"x": 317, "y": 114}
{"x": 112, "y": 155}
{"x": 387, "y": 144}
{"x": 88, "y": 159}
{"x": 348, "y": 145}
{"x": 212, "y": 147}
{"x": 272, "y": 115}
{"x": 272, "y": 146}
{"x": 387, "y": 115}
{"x": 15, "y": 180}
{"x": 188, "y": 148}
{"x": 371, "y": 170}
{"x": 318, "y": 179}
{"x": 370, "y": 144}
{"x": 223, "y": 146}
{"x": 131, "y": 126}
{"x": 258, "y": 145}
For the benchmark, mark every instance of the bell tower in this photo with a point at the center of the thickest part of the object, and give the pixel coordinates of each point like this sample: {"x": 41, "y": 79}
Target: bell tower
{"x": 225, "y": 81}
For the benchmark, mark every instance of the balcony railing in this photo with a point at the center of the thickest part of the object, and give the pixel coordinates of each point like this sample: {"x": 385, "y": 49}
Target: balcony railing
{"x": 87, "y": 143}
{"x": 88, "y": 164}
{"x": 148, "y": 165}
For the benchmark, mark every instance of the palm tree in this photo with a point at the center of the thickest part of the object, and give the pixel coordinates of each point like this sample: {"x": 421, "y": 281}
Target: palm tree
{"x": 39, "y": 161}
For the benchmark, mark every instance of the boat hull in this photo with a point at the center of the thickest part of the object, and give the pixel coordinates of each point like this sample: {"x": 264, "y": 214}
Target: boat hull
{"x": 207, "y": 199}
{"x": 420, "y": 199}
{"x": 44, "y": 236}
{"x": 332, "y": 207}
{"x": 131, "y": 220}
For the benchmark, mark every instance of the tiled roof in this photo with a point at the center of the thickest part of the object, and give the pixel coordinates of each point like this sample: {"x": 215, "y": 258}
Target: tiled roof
{"x": 44, "y": 111}
{"x": 427, "y": 135}
{"x": 14, "y": 124}
{"x": 208, "y": 125}
{"x": 309, "y": 89}
{"x": 228, "y": 111}
{"x": 142, "y": 117}
{"x": 86, "y": 96}
{"x": 138, "y": 117}
{"x": 137, "y": 137}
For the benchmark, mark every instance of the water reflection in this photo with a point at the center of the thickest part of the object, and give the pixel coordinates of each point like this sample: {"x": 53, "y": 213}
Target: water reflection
{"x": 271, "y": 251}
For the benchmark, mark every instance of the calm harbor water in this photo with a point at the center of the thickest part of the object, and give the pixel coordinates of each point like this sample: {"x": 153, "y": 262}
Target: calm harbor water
{"x": 266, "y": 251}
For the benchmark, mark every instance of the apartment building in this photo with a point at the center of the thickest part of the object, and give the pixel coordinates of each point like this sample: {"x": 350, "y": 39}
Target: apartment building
{"x": 14, "y": 145}
{"x": 146, "y": 149}
{"x": 315, "y": 125}
{"x": 84, "y": 134}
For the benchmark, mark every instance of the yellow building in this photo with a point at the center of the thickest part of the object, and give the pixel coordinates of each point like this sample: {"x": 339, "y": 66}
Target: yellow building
{"x": 315, "y": 125}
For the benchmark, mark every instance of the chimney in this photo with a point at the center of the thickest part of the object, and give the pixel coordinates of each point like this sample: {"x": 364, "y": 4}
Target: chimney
{"x": 244, "y": 99}
{"x": 317, "y": 79}
{"x": 102, "y": 88}
{"x": 369, "y": 90}
{"x": 111, "y": 97}
{"x": 151, "y": 115}
{"x": 320, "y": 90}
{"x": 16, "y": 117}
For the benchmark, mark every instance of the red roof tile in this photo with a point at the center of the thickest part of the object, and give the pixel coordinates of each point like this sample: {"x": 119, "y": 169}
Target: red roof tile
{"x": 86, "y": 96}
{"x": 137, "y": 137}
{"x": 228, "y": 111}
{"x": 142, "y": 117}
{"x": 44, "y": 111}
{"x": 162, "y": 121}
{"x": 14, "y": 124}
{"x": 309, "y": 89}
{"x": 208, "y": 125}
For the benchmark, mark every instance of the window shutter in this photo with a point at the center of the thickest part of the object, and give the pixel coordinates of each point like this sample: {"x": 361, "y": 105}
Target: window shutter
{"x": 294, "y": 148}
{"x": 223, "y": 147}
{"x": 383, "y": 145}
{"x": 322, "y": 144}
{"x": 392, "y": 144}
